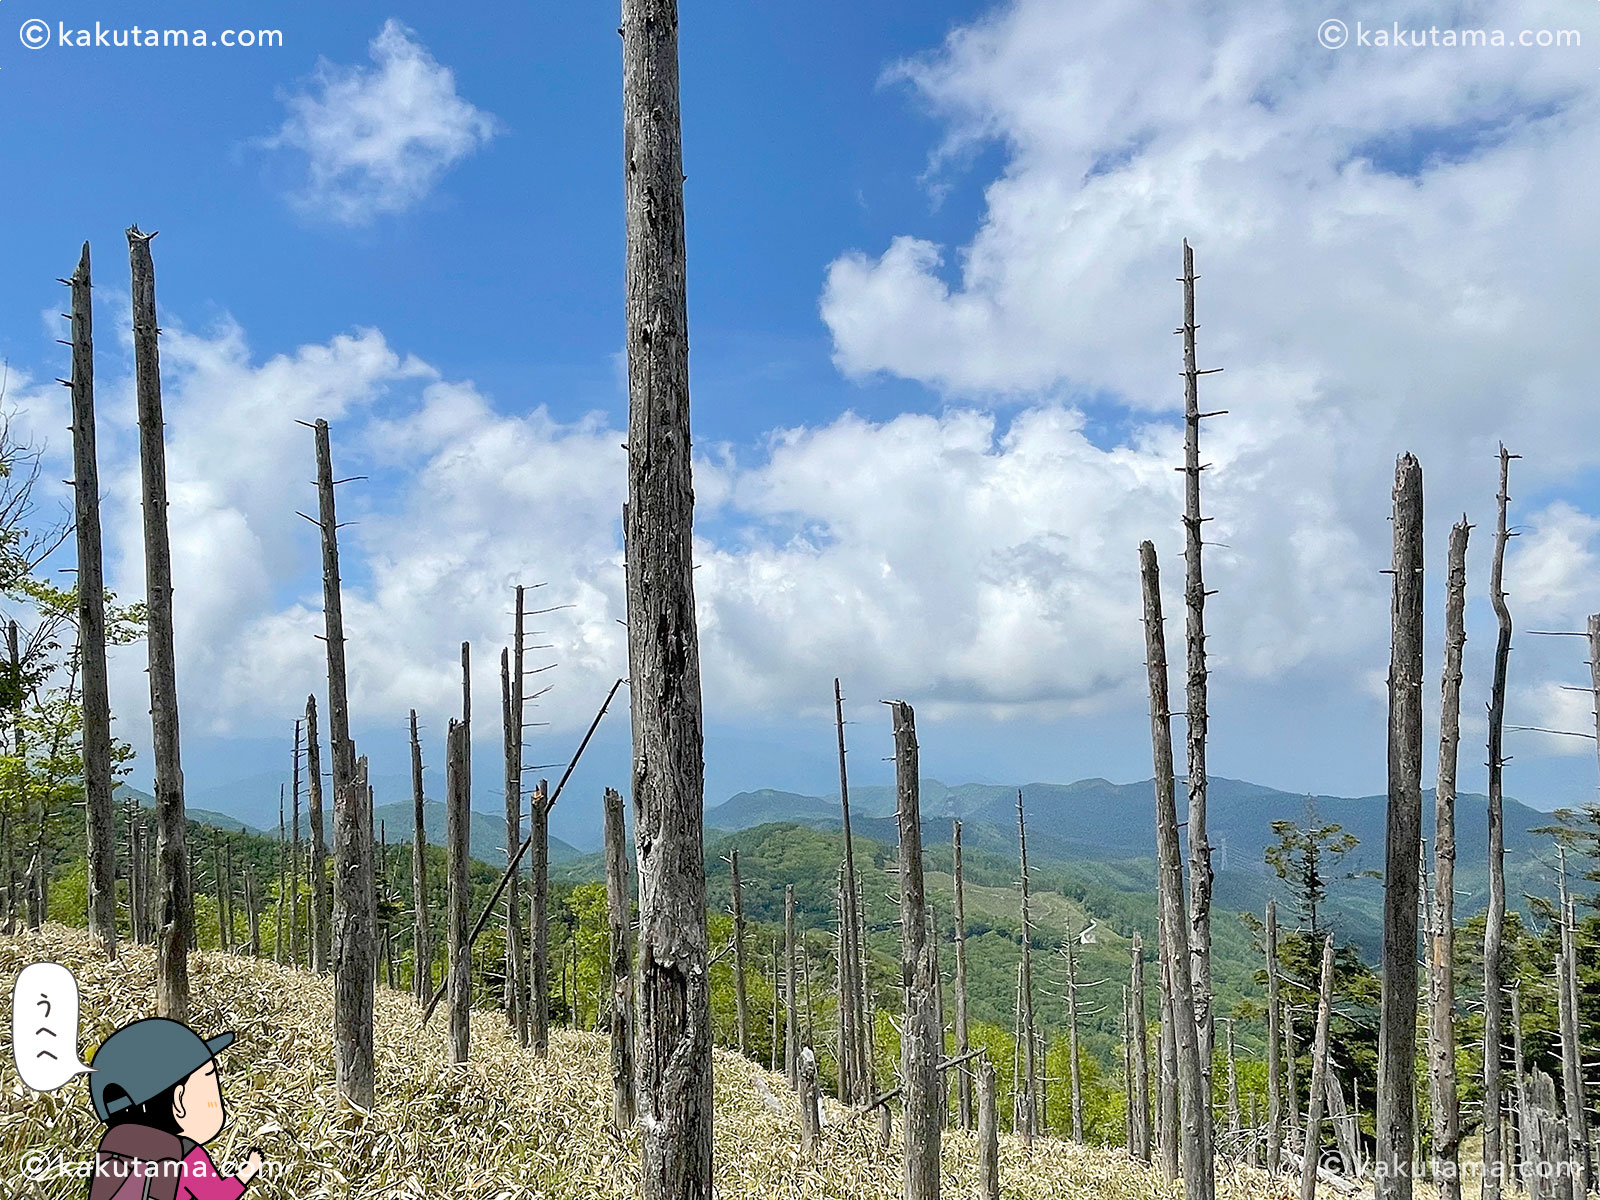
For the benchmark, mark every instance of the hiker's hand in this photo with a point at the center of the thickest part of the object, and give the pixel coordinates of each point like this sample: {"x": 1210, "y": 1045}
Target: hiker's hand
{"x": 251, "y": 1167}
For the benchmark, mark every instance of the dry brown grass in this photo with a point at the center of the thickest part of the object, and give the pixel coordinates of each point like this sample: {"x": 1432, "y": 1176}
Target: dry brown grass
{"x": 506, "y": 1126}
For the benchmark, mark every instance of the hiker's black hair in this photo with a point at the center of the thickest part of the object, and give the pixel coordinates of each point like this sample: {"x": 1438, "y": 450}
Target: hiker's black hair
{"x": 155, "y": 1112}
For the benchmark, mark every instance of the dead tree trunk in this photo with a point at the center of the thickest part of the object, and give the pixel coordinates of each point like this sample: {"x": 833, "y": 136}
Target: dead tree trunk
{"x": 1194, "y": 597}
{"x": 458, "y": 819}
{"x": 514, "y": 812}
{"x": 176, "y": 924}
{"x": 1442, "y": 1020}
{"x": 1519, "y": 1109}
{"x": 791, "y": 1020}
{"x": 663, "y": 644}
{"x": 963, "y": 1044}
{"x": 1167, "y": 1082}
{"x": 1141, "y": 1055}
{"x": 321, "y": 888}
{"x": 294, "y": 854}
{"x": 854, "y": 1066}
{"x": 740, "y": 991}
{"x": 1072, "y": 1039}
{"x": 1029, "y": 1110}
{"x": 1494, "y": 925}
{"x": 1571, "y": 1045}
{"x": 353, "y": 983}
{"x": 1195, "y": 1107}
{"x": 1311, "y": 1147}
{"x": 618, "y": 902}
{"x": 252, "y": 908}
{"x": 511, "y": 725}
{"x": 100, "y": 829}
{"x": 539, "y": 918}
{"x": 988, "y": 1134}
{"x": 810, "y": 1117}
{"x": 279, "y": 942}
{"x": 1234, "y": 1128}
{"x": 920, "y": 1036}
{"x": 1274, "y": 1046}
{"x": 1398, "y": 1038}
{"x": 841, "y": 981}
{"x": 135, "y": 872}
{"x": 421, "y": 949}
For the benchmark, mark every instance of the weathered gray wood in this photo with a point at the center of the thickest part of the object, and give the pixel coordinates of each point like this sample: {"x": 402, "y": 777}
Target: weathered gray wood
{"x": 810, "y": 1116}
{"x": 1494, "y": 924}
{"x": 1519, "y": 1107}
{"x": 136, "y": 906}
{"x": 1072, "y": 1038}
{"x": 777, "y": 1003}
{"x": 321, "y": 885}
{"x": 1234, "y": 1126}
{"x": 663, "y": 644}
{"x": 740, "y": 989}
{"x": 624, "y": 1105}
{"x": 1141, "y": 1054}
{"x": 539, "y": 919}
{"x": 353, "y": 949}
{"x": 511, "y": 728}
{"x": 1442, "y": 1019}
{"x": 1397, "y": 1056}
{"x": 988, "y": 1134}
{"x": 1551, "y": 1175}
{"x": 386, "y": 936}
{"x": 294, "y": 854}
{"x": 252, "y": 905}
{"x": 1195, "y": 718}
{"x": 1028, "y": 1111}
{"x": 1274, "y": 1046}
{"x": 342, "y": 750}
{"x": 963, "y": 1042}
{"x": 1195, "y": 1101}
{"x": 175, "y": 925}
{"x": 853, "y": 1066}
{"x": 1345, "y": 1130}
{"x": 458, "y": 819}
{"x": 421, "y": 943}
{"x": 842, "y": 990}
{"x": 518, "y": 723}
{"x": 100, "y": 828}
{"x": 791, "y": 1019}
{"x": 919, "y": 1038}
{"x": 1167, "y": 1136}
{"x": 1319, "y": 1068}
{"x": 1571, "y": 1042}
{"x": 280, "y": 943}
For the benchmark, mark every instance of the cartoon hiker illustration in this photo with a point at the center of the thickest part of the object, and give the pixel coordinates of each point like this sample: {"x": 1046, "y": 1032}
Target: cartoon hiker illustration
{"x": 157, "y": 1086}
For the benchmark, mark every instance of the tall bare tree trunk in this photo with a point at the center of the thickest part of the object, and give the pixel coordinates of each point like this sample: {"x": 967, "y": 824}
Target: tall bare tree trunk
{"x": 1494, "y": 925}
{"x": 1029, "y": 1114}
{"x": 519, "y": 724}
{"x": 663, "y": 644}
{"x": 1167, "y": 1081}
{"x": 740, "y": 992}
{"x": 988, "y": 1134}
{"x": 539, "y": 917}
{"x": 1442, "y": 1020}
{"x": 623, "y": 1103}
{"x": 791, "y": 1019}
{"x": 511, "y": 722}
{"x": 458, "y": 819}
{"x": 1274, "y": 1047}
{"x": 855, "y": 1066}
{"x": 294, "y": 855}
{"x": 1398, "y": 1024}
{"x": 279, "y": 942}
{"x": 1141, "y": 1054}
{"x": 963, "y": 1043}
{"x": 100, "y": 827}
{"x": 1072, "y": 1039}
{"x": 920, "y": 1036}
{"x": 321, "y": 887}
{"x": 176, "y": 924}
{"x": 1195, "y": 1102}
{"x": 810, "y": 1117}
{"x": 1194, "y": 597}
{"x": 1311, "y": 1147}
{"x": 421, "y": 950}
{"x": 135, "y": 870}
{"x": 353, "y": 982}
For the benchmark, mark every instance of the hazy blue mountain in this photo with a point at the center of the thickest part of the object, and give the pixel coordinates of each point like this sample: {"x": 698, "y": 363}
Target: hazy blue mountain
{"x": 486, "y": 839}
{"x": 123, "y": 793}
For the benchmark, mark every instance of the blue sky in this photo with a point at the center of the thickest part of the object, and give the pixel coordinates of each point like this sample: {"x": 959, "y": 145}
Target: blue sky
{"x": 932, "y": 253}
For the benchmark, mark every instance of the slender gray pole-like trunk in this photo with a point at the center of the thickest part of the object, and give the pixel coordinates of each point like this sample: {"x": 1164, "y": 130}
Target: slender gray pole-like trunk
{"x": 1167, "y": 1079}
{"x": 663, "y": 644}
{"x": 342, "y": 750}
{"x": 252, "y": 905}
{"x": 920, "y": 1038}
{"x": 841, "y": 976}
{"x": 1311, "y": 1147}
{"x": 867, "y": 1026}
{"x": 1442, "y": 1020}
{"x": 1130, "y": 1120}
{"x": 1072, "y": 1039}
{"x": 1196, "y": 722}
{"x": 791, "y": 1019}
{"x": 511, "y": 727}
{"x": 810, "y": 1116}
{"x": 294, "y": 854}
{"x": 624, "y": 1106}
{"x": 321, "y": 886}
{"x": 1234, "y": 1128}
{"x": 99, "y": 824}
{"x": 1274, "y": 1046}
{"x": 1291, "y": 1065}
{"x": 963, "y": 1043}
{"x": 279, "y": 942}
{"x": 175, "y": 926}
{"x": 855, "y": 987}
{"x": 135, "y": 871}
{"x": 988, "y": 1134}
{"x": 1397, "y": 1042}
{"x": 740, "y": 991}
{"x": 1028, "y": 1113}
{"x": 1494, "y": 924}
{"x": 353, "y": 949}
{"x": 1571, "y": 1042}
{"x": 1141, "y": 1055}
{"x": 1195, "y": 1102}
{"x": 421, "y": 950}
{"x": 539, "y": 917}
{"x": 1519, "y": 1110}
{"x": 777, "y": 1040}
{"x": 458, "y": 819}
{"x": 519, "y": 724}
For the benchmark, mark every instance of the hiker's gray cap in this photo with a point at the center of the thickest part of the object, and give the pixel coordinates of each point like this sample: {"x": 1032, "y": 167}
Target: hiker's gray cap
{"x": 147, "y": 1057}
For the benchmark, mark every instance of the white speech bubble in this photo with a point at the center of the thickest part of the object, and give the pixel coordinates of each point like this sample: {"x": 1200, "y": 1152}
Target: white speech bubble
{"x": 44, "y": 1026}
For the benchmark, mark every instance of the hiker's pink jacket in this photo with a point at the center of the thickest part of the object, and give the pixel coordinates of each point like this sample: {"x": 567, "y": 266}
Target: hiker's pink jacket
{"x": 202, "y": 1181}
